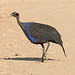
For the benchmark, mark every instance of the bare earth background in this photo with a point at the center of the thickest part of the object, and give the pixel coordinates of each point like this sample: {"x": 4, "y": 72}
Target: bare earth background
{"x": 20, "y": 57}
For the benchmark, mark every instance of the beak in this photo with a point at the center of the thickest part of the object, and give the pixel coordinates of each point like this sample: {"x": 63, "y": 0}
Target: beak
{"x": 10, "y": 15}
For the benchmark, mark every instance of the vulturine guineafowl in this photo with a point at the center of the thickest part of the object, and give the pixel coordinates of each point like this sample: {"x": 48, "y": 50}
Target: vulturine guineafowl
{"x": 39, "y": 33}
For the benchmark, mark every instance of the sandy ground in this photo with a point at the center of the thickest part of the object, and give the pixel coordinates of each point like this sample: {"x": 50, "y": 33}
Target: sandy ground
{"x": 18, "y": 56}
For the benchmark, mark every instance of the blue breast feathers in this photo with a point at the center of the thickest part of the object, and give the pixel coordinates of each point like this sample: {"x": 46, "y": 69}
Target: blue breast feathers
{"x": 27, "y": 25}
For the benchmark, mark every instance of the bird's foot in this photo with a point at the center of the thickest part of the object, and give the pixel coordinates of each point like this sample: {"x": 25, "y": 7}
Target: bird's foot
{"x": 44, "y": 57}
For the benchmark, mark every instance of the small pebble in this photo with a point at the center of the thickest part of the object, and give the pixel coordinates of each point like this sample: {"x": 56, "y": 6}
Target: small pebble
{"x": 17, "y": 54}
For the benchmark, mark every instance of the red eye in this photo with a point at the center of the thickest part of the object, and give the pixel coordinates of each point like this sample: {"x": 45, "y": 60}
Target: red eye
{"x": 13, "y": 13}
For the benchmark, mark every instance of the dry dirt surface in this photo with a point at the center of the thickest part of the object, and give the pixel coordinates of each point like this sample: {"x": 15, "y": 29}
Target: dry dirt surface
{"x": 18, "y": 56}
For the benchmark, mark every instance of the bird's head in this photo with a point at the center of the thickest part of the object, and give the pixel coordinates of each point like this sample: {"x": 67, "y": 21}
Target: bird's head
{"x": 14, "y": 14}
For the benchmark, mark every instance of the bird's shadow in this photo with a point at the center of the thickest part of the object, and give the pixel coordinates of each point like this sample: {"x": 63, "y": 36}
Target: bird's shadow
{"x": 28, "y": 59}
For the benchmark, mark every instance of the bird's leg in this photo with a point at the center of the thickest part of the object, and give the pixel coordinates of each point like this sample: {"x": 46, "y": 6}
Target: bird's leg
{"x": 43, "y": 52}
{"x": 46, "y": 49}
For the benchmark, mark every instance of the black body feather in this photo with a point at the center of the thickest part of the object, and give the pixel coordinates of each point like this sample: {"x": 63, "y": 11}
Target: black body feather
{"x": 42, "y": 33}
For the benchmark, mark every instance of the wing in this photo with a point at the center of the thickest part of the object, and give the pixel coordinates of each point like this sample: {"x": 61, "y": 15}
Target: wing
{"x": 43, "y": 32}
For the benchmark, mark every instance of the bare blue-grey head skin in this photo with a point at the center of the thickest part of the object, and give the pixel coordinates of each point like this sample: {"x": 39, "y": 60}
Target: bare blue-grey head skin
{"x": 39, "y": 33}
{"x": 14, "y": 14}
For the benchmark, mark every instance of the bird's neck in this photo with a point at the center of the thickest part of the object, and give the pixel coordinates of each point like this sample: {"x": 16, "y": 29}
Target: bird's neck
{"x": 18, "y": 21}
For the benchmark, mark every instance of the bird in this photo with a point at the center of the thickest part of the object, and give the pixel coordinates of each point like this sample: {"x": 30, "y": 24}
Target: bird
{"x": 39, "y": 33}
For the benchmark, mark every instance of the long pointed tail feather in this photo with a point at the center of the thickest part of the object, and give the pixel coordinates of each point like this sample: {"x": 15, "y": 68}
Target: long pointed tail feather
{"x": 64, "y": 50}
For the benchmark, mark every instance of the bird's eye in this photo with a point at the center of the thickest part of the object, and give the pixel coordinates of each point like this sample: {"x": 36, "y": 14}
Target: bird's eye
{"x": 13, "y": 13}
